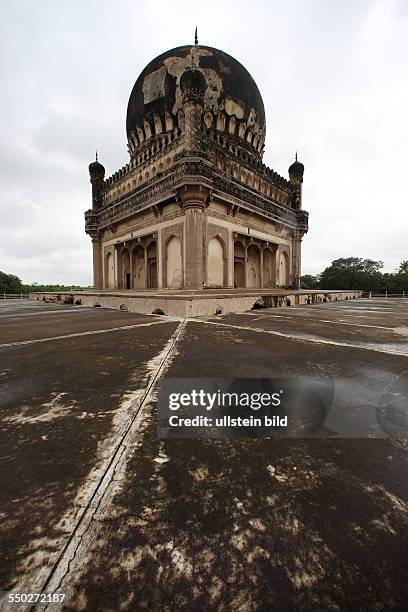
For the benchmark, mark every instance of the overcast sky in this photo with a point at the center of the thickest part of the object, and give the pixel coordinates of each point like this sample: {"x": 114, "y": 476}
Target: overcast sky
{"x": 334, "y": 80}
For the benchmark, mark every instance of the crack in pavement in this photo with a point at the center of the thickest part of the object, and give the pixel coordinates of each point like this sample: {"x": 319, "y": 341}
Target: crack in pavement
{"x": 62, "y": 567}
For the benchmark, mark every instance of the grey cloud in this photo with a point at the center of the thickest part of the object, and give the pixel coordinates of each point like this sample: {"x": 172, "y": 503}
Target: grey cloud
{"x": 333, "y": 79}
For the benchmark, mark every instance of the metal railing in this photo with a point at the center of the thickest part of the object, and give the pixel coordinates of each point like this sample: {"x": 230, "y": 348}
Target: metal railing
{"x": 386, "y": 295}
{"x": 14, "y": 296}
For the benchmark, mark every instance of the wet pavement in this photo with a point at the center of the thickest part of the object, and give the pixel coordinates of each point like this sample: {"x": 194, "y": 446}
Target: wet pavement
{"x": 93, "y": 504}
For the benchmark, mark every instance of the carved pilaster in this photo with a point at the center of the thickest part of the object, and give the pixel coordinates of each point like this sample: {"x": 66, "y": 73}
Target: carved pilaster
{"x": 97, "y": 259}
{"x": 297, "y": 257}
{"x": 194, "y": 199}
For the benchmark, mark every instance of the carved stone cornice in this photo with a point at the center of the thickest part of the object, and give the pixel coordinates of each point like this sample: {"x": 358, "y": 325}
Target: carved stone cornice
{"x": 91, "y": 222}
{"x": 194, "y": 194}
{"x": 241, "y": 197}
{"x": 197, "y": 179}
{"x": 303, "y": 221}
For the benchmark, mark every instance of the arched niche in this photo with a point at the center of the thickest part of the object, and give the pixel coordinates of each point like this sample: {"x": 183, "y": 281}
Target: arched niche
{"x": 216, "y": 263}
{"x": 239, "y": 267}
{"x": 174, "y": 266}
{"x": 268, "y": 269}
{"x": 125, "y": 269}
{"x": 139, "y": 275}
{"x": 110, "y": 271}
{"x": 283, "y": 269}
{"x": 253, "y": 267}
{"x": 152, "y": 265}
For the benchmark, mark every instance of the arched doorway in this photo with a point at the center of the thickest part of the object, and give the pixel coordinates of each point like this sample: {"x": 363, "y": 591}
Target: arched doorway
{"x": 153, "y": 275}
{"x": 110, "y": 271}
{"x": 283, "y": 269}
{"x": 174, "y": 267}
{"x": 215, "y": 263}
{"x": 139, "y": 280}
{"x": 152, "y": 266}
{"x": 253, "y": 267}
{"x": 125, "y": 269}
{"x": 268, "y": 269}
{"x": 239, "y": 257}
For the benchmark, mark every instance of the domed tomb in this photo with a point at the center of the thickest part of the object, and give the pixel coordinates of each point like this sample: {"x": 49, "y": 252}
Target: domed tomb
{"x": 230, "y": 92}
{"x": 195, "y": 207}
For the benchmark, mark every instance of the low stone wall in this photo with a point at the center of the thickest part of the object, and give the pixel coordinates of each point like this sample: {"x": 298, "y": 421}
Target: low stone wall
{"x": 194, "y": 305}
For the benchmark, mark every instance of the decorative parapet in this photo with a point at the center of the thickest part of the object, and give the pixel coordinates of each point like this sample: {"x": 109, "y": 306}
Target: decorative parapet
{"x": 155, "y": 154}
{"x": 256, "y": 176}
{"x": 199, "y": 171}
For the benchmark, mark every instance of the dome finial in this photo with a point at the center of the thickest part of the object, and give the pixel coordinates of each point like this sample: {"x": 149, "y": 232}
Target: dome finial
{"x": 296, "y": 156}
{"x": 96, "y": 155}
{"x": 195, "y": 37}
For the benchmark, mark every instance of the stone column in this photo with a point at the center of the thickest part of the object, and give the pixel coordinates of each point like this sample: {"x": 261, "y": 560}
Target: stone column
{"x": 246, "y": 266}
{"x": 159, "y": 251}
{"x": 231, "y": 257}
{"x": 296, "y": 258}
{"x": 194, "y": 251}
{"x": 146, "y": 267}
{"x": 261, "y": 274}
{"x": 116, "y": 266}
{"x": 131, "y": 267}
{"x": 192, "y": 86}
{"x": 277, "y": 266}
{"x": 192, "y": 119}
{"x": 97, "y": 261}
{"x": 273, "y": 271}
{"x": 194, "y": 200}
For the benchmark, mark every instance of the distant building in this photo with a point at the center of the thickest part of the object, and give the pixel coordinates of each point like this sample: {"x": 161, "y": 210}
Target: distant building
{"x": 195, "y": 207}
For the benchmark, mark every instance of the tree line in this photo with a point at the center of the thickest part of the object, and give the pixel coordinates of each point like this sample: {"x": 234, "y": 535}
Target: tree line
{"x": 358, "y": 273}
{"x": 9, "y": 283}
{"x": 343, "y": 273}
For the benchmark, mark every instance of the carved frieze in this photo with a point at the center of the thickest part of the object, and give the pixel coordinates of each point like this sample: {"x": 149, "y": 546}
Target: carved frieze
{"x": 194, "y": 171}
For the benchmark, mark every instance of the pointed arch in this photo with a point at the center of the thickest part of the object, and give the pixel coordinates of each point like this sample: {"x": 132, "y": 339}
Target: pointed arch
{"x": 125, "y": 269}
{"x": 138, "y": 267}
{"x": 268, "y": 268}
{"x": 110, "y": 271}
{"x": 152, "y": 265}
{"x": 253, "y": 266}
{"x": 216, "y": 262}
{"x": 239, "y": 264}
{"x": 284, "y": 269}
{"x": 173, "y": 261}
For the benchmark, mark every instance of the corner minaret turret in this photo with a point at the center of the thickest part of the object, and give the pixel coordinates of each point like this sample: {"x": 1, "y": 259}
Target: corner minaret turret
{"x": 296, "y": 171}
{"x": 97, "y": 176}
{"x": 192, "y": 86}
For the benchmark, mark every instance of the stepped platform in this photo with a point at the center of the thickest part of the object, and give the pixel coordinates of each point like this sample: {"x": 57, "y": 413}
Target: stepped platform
{"x": 185, "y": 303}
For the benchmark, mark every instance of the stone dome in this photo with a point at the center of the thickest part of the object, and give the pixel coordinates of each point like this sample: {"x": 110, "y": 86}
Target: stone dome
{"x": 231, "y": 94}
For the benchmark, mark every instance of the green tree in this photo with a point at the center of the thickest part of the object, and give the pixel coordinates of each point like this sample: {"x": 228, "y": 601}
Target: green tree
{"x": 308, "y": 281}
{"x": 397, "y": 282}
{"x": 9, "y": 283}
{"x": 36, "y": 287}
{"x": 353, "y": 273}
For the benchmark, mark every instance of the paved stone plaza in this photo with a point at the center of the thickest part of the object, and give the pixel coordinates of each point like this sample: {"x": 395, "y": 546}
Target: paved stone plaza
{"x": 95, "y": 505}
